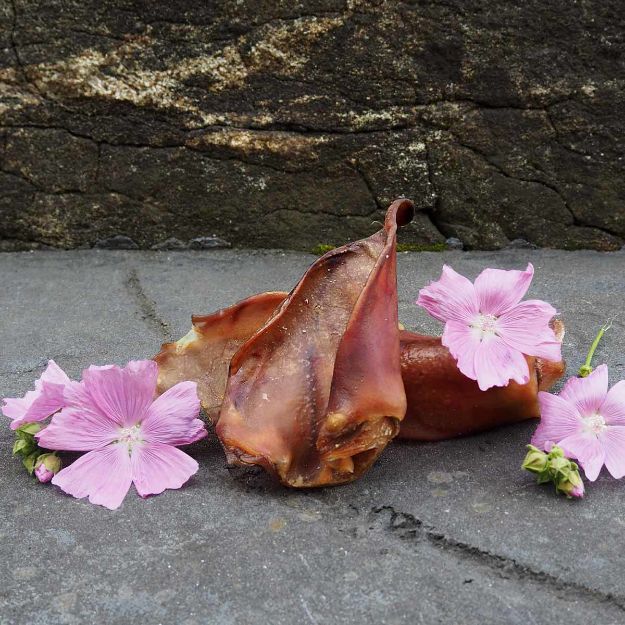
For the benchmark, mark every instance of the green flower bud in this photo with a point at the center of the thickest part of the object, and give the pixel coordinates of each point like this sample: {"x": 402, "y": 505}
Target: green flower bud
{"x": 19, "y": 446}
{"x": 572, "y": 485}
{"x": 29, "y": 461}
{"x": 29, "y": 428}
{"x": 556, "y": 452}
{"x": 535, "y": 460}
{"x": 559, "y": 467}
{"x": 24, "y": 447}
{"x": 555, "y": 467}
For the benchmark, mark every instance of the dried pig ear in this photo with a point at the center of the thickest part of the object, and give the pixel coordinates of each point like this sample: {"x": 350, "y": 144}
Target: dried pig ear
{"x": 315, "y": 396}
{"x": 203, "y": 355}
{"x": 443, "y": 403}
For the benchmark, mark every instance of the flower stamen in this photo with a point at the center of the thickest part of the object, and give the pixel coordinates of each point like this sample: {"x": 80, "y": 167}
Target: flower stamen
{"x": 485, "y": 326}
{"x": 130, "y": 436}
{"x": 595, "y": 423}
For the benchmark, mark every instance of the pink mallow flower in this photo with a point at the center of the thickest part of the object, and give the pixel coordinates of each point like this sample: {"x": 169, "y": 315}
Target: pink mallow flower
{"x": 130, "y": 436}
{"x": 487, "y": 327}
{"x": 37, "y": 405}
{"x": 587, "y": 422}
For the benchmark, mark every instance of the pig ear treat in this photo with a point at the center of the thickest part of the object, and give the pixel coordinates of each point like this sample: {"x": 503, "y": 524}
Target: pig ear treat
{"x": 316, "y": 394}
{"x": 444, "y": 403}
{"x": 203, "y": 355}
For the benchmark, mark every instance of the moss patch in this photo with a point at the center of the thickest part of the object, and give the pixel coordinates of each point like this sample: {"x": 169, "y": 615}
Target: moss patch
{"x": 322, "y": 248}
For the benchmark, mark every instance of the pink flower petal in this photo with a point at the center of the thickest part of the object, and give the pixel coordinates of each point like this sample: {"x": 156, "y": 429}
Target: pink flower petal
{"x": 104, "y": 475}
{"x": 54, "y": 374}
{"x": 39, "y": 404}
{"x": 498, "y": 290}
{"x": 80, "y": 426}
{"x": 76, "y": 429}
{"x": 613, "y": 407}
{"x": 462, "y": 343}
{"x": 558, "y": 420}
{"x": 156, "y": 467}
{"x": 172, "y": 417}
{"x": 16, "y": 407}
{"x": 525, "y": 327}
{"x": 585, "y": 446}
{"x": 613, "y": 441}
{"x": 496, "y": 364}
{"x": 587, "y": 394}
{"x": 123, "y": 394}
{"x": 452, "y": 297}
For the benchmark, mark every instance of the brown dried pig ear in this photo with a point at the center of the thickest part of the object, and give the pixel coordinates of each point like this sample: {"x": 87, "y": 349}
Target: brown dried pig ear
{"x": 203, "y": 355}
{"x": 444, "y": 403}
{"x": 316, "y": 394}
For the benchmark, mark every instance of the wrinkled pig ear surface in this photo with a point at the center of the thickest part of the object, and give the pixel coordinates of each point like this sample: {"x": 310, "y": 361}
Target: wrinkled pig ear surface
{"x": 203, "y": 355}
{"x": 315, "y": 396}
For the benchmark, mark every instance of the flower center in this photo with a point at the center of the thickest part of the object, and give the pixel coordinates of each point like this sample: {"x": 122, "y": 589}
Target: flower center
{"x": 595, "y": 423}
{"x": 130, "y": 435}
{"x": 484, "y": 326}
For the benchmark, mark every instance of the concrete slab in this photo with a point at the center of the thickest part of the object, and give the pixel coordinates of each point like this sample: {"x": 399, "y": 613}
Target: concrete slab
{"x": 451, "y": 532}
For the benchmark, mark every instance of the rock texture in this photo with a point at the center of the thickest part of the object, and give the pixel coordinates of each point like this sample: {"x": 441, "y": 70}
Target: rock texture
{"x": 280, "y": 123}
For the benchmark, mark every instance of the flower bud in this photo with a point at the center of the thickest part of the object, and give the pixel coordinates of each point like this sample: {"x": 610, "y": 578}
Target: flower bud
{"x": 555, "y": 467}
{"x": 555, "y": 451}
{"x": 585, "y": 371}
{"x": 535, "y": 460}
{"x": 46, "y": 467}
{"x": 560, "y": 467}
{"x": 43, "y": 474}
{"x": 30, "y": 428}
{"x": 25, "y": 443}
{"x": 571, "y": 486}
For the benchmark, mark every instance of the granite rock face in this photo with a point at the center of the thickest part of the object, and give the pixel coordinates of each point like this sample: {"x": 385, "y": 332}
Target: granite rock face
{"x": 282, "y": 124}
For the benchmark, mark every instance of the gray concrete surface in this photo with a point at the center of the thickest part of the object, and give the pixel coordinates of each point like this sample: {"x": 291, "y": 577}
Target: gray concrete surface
{"x": 452, "y": 532}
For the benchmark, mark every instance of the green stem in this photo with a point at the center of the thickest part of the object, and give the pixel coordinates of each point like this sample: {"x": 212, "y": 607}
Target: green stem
{"x": 586, "y": 369}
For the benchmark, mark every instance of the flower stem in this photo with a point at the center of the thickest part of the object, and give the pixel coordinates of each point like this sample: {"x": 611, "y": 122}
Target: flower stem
{"x": 586, "y": 369}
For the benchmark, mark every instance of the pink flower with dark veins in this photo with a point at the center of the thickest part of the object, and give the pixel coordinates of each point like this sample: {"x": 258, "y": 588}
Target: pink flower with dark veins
{"x": 587, "y": 422}
{"x": 488, "y": 330}
{"x": 130, "y": 436}
{"x": 37, "y": 405}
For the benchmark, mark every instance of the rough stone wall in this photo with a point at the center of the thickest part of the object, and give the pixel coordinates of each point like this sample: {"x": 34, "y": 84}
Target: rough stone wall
{"x": 286, "y": 124}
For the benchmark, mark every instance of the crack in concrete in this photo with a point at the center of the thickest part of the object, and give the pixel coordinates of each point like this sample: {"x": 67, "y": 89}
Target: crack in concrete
{"x": 407, "y": 527}
{"x": 146, "y": 306}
